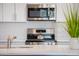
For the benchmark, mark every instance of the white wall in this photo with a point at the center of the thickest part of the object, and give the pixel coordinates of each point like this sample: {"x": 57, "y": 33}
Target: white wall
{"x": 19, "y": 29}
{"x": 61, "y": 33}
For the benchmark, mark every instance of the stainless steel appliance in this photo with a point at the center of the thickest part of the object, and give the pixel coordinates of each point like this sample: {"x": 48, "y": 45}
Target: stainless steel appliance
{"x": 41, "y": 12}
{"x": 36, "y": 35}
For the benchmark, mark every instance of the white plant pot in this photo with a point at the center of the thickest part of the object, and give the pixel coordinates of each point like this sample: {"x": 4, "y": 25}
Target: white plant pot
{"x": 74, "y": 43}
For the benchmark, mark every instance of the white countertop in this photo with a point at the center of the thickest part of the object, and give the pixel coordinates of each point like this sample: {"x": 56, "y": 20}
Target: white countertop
{"x": 40, "y": 50}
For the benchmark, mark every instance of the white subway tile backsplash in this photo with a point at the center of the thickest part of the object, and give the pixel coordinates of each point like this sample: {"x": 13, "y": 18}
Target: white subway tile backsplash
{"x": 20, "y": 30}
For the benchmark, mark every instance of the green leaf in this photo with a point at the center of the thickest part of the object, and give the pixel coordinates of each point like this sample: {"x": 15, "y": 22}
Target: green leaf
{"x": 72, "y": 21}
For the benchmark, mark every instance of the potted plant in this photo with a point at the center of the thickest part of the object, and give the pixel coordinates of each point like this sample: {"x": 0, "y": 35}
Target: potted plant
{"x": 72, "y": 24}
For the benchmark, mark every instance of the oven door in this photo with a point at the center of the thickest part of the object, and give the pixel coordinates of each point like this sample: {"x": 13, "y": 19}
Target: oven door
{"x": 37, "y": 13}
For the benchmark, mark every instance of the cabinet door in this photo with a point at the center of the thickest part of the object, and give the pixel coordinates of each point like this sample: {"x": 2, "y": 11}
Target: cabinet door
{"x": 61, "y": 8}
{"x": 20, "y": 12}
{"x": 1, "y": 12}
{"x": 8, "y": 12}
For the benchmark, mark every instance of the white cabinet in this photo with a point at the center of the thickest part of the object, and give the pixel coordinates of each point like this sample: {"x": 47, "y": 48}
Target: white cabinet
{"x": 1, "y": 12}
{"x": 60, "y": 12}
{"x": 61, "y": 8}
{"x": 8, "y": 12}
{"x": 20, "y": 12}
{"x": 13, "y": 12}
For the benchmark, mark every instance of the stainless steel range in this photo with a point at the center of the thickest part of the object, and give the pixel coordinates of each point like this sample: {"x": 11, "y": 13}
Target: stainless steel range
{"x": 36, "y": 35}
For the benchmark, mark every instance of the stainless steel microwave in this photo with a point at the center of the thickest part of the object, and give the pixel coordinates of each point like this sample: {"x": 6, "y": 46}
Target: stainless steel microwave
{"x": 42, "y": 12}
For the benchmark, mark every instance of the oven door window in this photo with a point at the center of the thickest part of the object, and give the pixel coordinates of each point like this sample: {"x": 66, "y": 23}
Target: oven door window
{"x": 44, "y": 13}
{"x": 37, "y": 12}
